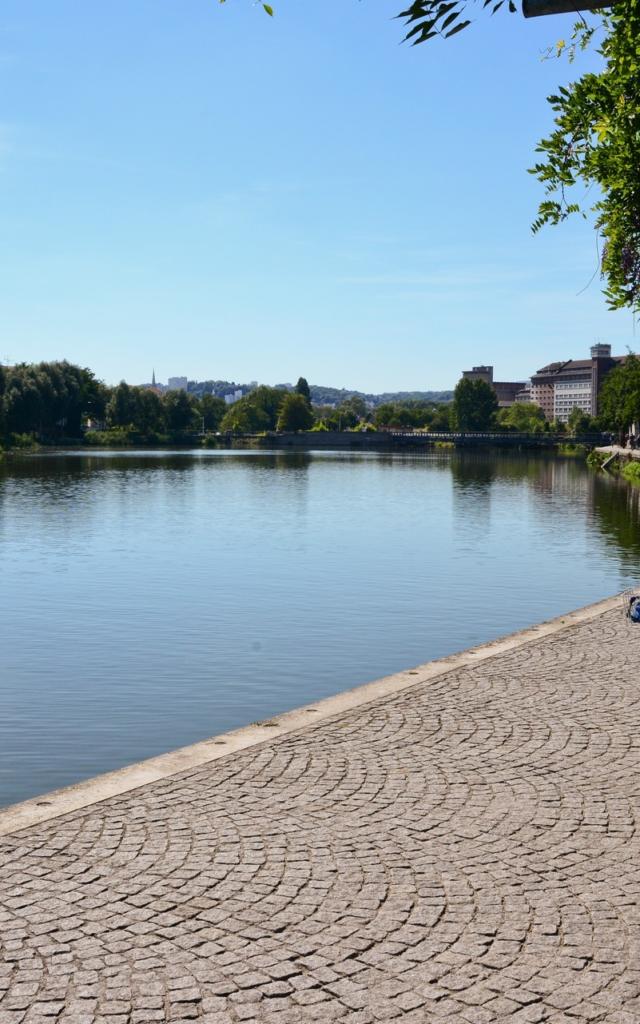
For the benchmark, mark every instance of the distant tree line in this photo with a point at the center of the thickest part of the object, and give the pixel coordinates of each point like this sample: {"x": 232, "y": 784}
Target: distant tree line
{"x": 57, "y": 401}
{"x": 54, "y": 402}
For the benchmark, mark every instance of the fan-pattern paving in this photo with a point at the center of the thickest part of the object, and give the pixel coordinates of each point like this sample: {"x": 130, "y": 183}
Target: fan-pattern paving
{"x": 464, "y": 851}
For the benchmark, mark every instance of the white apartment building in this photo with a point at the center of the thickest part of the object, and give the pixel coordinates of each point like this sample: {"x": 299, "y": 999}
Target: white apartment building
{"x": 561, "y": 387}
{"x": 233, "y": 397}
{"x": 570, "y": 395}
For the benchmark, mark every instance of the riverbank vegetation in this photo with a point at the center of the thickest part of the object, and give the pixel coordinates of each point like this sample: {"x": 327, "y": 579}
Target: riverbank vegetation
{"x": 623, "y": 466}
{"x": 631, "y": 472}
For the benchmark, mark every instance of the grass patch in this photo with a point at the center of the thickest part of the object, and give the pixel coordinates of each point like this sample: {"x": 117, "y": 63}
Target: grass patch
{"x": 569, "y": 448}
{"x": 631, "y": 472}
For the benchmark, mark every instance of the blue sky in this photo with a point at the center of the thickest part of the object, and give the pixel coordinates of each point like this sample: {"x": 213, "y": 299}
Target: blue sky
{"x": 212, "y": 192}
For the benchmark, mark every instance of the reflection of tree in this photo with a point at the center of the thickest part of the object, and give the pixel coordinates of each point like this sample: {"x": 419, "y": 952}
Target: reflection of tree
{"x": 278, "y": 476}
{"x": 88, "y": 482}
{"x": 616, "y": 507}
{"x": 75, "y": 467}
{"x": 473, "y": 475}
{"x": 285, "y": 461}
{"x": 475, "y": 470}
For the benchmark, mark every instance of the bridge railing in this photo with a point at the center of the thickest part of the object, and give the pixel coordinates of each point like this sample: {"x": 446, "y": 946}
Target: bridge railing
{"x": 502, "y": 435}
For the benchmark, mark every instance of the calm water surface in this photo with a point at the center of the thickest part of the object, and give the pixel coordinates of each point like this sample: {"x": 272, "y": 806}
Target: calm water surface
{"x": 149, "y": 600}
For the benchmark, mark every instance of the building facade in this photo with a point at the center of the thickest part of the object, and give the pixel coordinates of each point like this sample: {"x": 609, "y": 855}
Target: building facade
{"x": 484, "y": 373}
{"x": 561, "y": 387}
{"x": 234, "y": 396}
{"x": 506, "y": 390}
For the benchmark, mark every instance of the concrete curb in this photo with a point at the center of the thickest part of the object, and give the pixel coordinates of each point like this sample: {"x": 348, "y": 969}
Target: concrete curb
{"x": 44, "y": 808}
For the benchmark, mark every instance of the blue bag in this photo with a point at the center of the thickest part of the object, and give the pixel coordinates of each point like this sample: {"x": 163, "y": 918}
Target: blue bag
{"x": 634, "y": 609}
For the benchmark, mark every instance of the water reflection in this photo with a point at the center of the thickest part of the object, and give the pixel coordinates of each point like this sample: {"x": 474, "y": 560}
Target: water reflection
{"x": 616, "y": 509}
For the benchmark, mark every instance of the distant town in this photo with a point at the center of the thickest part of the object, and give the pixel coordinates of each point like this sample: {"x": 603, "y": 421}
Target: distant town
{"x": 557, "y": 389}
{"x": 325, "y": 396}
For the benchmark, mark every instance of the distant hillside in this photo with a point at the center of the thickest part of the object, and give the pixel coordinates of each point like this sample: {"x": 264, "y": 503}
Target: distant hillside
{"x": 334, "y": 396}
{"x": 322, "y": 395}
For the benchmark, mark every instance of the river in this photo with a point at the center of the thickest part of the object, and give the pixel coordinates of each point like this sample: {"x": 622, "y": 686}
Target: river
{"x": 152, "y": 599}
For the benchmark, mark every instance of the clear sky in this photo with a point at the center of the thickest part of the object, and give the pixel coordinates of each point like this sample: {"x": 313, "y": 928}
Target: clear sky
{"x": 212, "y": 192}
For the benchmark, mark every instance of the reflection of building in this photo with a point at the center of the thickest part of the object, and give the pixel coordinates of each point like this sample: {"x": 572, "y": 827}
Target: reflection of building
{"x": 574, "y": 384}
{"x": 506, "y": 391}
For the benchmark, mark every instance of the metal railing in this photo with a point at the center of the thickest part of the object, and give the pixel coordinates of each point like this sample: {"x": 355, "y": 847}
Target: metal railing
{"x": 501, "y": 435}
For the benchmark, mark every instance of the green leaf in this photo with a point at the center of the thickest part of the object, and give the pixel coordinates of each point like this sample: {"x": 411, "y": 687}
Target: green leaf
{"x": 458, "y": 28}
{"x": 450, "y": 19}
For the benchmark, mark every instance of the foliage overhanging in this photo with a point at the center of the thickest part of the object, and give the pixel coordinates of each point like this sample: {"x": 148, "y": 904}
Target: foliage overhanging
{"x": 596, "y": 138}
{"x": 425, "y": 19}
{"x": 596, "y": 142}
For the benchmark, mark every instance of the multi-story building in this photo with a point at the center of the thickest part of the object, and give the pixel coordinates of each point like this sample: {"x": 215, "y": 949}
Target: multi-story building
{"x": 542, "y": 393}
{"x": 234, "y": 396}
{"x": 177, "y": 384}
{"x": 506, "y": 390}
{"x": 484, "y": 373}
{"x": 575, "y": 383}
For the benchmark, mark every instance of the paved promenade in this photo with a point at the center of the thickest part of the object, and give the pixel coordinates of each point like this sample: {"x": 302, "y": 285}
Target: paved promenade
{"x": 464, "y": 850}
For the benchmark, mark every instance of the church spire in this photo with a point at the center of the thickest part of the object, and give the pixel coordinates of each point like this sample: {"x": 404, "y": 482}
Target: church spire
{"x": 153, "y": 379}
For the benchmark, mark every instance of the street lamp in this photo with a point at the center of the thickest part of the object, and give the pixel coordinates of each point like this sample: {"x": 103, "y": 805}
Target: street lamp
{"x": 538, "y": 8}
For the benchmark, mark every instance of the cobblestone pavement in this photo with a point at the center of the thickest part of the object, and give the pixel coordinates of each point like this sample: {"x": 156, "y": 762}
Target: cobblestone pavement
{"x": 465, "y": 851}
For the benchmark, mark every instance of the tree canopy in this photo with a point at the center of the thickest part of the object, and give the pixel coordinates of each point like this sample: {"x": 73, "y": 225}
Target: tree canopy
{"x": 413, "y": 415}
{"x": 295, "y": 413}
{"x": 580, "y": 422}
{"x": 50, "y": 399}
{"x": 254, "y": 413}
{"x": 51, "y": 402}
{"x": 474, "y": 405}
{"x": 620, "y": 396}
{"x": 302, "y": 388}
{"x": 524, "y": 417}
{"x": 596, "y": 142}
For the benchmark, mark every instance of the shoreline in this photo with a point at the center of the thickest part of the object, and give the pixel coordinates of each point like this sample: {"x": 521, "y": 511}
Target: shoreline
{"x": 384, "y": 440}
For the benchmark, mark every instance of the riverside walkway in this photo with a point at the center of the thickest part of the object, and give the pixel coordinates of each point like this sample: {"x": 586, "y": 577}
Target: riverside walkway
{"x": 454, "y": 844}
